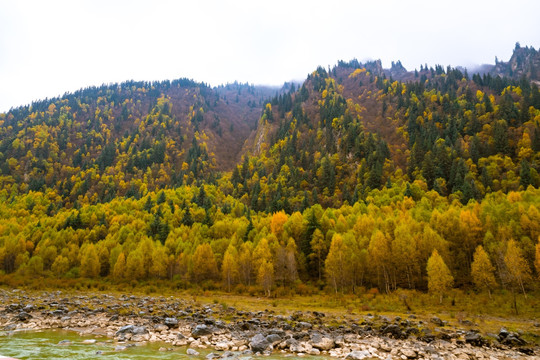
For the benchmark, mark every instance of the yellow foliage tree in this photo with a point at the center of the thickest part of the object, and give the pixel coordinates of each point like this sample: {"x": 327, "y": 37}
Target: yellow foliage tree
{"x": 537, "y": 259}
{"x": 319, "y": 250}
{"x": 380, "y": 254}
{"x": 159, "y": 262}
{"x": 245, "y": 262}
{"x": 516, "y": 265}
{"x": 135, "y": 265}
{"x": 90, "y": 266}
{"x": 229, "y": 268}
{"x": 204, "y": 263}
{"x": 60, "y": 265}
{"x": 440, "y": 279}
{"x": 482, "y": 271}
{"x": 335, "y": 263}
{"x": 276, "y": 224}
{"x": 119, "y": 269}
{"x": 265, "y": 276}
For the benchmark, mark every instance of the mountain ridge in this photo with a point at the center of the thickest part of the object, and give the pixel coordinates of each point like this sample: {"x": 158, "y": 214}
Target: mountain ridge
{"x": 146, "y": 135}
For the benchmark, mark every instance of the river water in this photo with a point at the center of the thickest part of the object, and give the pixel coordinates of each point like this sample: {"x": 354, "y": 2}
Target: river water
{"x": 70, "y": 345}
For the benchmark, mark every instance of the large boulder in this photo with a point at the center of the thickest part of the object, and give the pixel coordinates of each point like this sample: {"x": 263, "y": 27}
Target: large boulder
{"x": 132, "y": 329}
{"x": 259, "y": 343}
{"x": 304, "y": 325}
{"x": 201, "y": 330}
{"x": 128, "y": 329}
{"x": 171, "y": 322}
{"x": 392, "y": 329}
{"x": 474, "y": 338}
{"x": 23, "y": 316}
{"x": 321, "y": 342}
{"x": 273, "y": 338}
{"x": 510, "y": 338}
{"x": 301, "y": 347}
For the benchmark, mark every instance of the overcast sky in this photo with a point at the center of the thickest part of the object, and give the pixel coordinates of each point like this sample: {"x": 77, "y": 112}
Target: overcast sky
{"x": 50, "y": 47}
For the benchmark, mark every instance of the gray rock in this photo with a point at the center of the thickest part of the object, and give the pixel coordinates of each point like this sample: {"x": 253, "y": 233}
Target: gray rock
{"x": 201, "y": 330}
{"x": 132, "y": 329}
{"x": 23, "y": 316}
{"x": 140, "y": 330}
{"x": 409, "y": 353}
{"x": 474, "y": 338}
{"x": 273, "y": 338}
{"x": 503, "y": 333}
{"x": 510, "y": 338}
{"x": 10, "y": 327}
{"x": 321, "y": 342}
{"x": 435, "y": 320}
{"x": 192, "y": 352}
{"x": 125, "y": 329}
{"x": 304, "y": 325}
{"x": 229, "y": 355}
{"x": 171, "y": 322}
{"x": 301, "y": 347}
{"x": 259, "y": 343}
{"x": 392, "y": 329}
{"x": 160, "y": 327}
{"x": 64, "y": 342}
{"x": 120, "y": 348}
{"x": 358, "y": 355}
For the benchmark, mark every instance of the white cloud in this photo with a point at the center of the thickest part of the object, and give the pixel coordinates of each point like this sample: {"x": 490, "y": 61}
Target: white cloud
{"x": 47, "y": 48}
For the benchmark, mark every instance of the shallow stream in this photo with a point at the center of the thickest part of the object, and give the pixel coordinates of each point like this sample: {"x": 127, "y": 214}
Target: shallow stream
{"x": 70, "y": 345}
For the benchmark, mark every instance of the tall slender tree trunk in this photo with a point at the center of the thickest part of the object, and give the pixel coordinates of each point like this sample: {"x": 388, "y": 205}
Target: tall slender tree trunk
{"x": 515, "y": 300}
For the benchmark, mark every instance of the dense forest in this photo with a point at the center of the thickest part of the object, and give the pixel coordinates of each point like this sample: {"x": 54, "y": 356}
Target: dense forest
{"x": 358, "y": 178}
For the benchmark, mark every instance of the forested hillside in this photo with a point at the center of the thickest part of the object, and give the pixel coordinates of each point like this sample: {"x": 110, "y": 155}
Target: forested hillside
{"x": 358, "y": 178}
{"x": 123, "y": 140}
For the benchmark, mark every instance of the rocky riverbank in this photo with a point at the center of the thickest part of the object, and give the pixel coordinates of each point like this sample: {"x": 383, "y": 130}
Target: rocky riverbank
{"x": 233, "y": 332}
